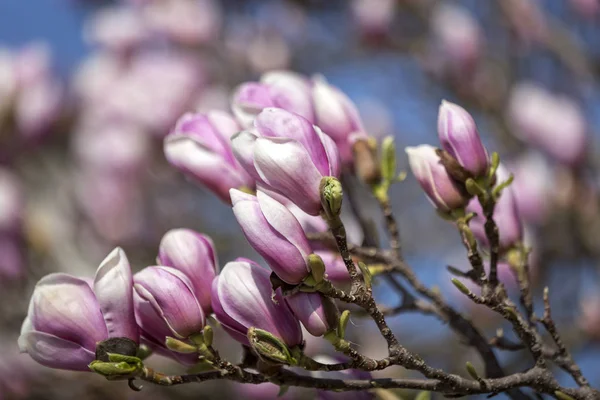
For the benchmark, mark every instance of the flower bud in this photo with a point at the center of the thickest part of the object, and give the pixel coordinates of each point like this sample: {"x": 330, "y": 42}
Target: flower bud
{"x": 241, "y": 299}
{"x": 434, "y": 179}
{"x": 290, "y": 156}
{"x": 555, "y": 124}
{"x": 318, "y": 314}
{"x": 281, "y": 89}
{"x": 459, "y": 137}
{"x": 274, "y": 232}
{"x": 337, "y": 116}
{"x": 193, "y": 254}
{"x": 165, "y": 304}
{"x": 69, "y": 316}
{"x": 506, "y": 216}
{"x": 199, "y": 146}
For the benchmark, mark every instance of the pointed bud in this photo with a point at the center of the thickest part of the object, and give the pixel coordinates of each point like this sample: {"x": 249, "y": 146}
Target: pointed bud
{"x": 331, "y": 196}
{"x": 459, "y": 136}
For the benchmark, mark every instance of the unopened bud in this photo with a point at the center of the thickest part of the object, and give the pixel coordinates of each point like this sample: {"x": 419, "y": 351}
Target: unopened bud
{"x": 331, "y": 196}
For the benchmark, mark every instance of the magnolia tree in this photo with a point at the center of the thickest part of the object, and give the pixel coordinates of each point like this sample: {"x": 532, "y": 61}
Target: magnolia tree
{"x": 282, "y": 160}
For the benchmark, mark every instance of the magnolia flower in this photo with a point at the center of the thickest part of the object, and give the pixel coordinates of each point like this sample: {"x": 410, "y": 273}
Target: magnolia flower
{"x": 317, "y": 314}
{"x": 274, "y": 232}
{"x": 281, "y": 89}
{"x": 199, "y": 146}
{"x": 288, "y": 155}
{"x": 193, "y": 254}
{"x": 338, "y": 116}
{"x": 241, "y": 299}
{"x": 69, "y": 316}
{"x": 459, "y": 137}
{"x": 434, "y": 179}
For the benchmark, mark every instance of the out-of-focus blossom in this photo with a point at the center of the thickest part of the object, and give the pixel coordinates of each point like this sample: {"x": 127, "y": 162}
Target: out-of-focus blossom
{"x": 17, "y": 373}
{"x": 263, "y": 391}
{"x": 527, "y": 19}
{"x": 317, "y": 314}
{"x": 11, "y": 259}
{"x": 274, "y": 232}
{"x": 434, "y": 179}
{"x": 68, "y": 316}
{"x": 165, "y": 304}
{"x": 586, "y": 8}
{"x": 11, "y": 202}
{"x": 290, "y": 156}
{"x": 95, "y": 77}
{"x": 346, "y": 374}
{"x": 199, "y": 145}
{"x": 268, "y": 51}
{"x": 532, "y": 187}
{"x": 281, "y": 89}
{"x": 118, "y": 28}
{"x": 456, "y": 38}
{"x": 171, "y": 79}
{"x": 193, "y": 254}
{"x": 337, "y": 116}
{"x": 116, "y": 147}
{"x": 553, "y": 123}
{"x": 459, "y": 136}
{"x": 506, "y": 216}
{"x": 589, "y": 319}
{"x": 241, "y": 299}
{"x": 373, "y": 17}
{"x": 189, "y": 22}
{"x": 30, "y": 94}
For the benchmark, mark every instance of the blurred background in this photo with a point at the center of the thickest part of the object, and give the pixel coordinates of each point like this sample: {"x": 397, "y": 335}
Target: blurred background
{"x": 89, "y": 89}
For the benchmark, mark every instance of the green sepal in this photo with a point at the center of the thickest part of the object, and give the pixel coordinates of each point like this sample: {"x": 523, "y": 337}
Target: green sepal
{"x": 269, "y": 347}
{"x": 474, "y": 188}
{"x": 494, "y": 164}
{"x": 461, "y": 286}
{"x": 112, "y": 370}
{"x": 331, "y": 196}
{"x": 317, "y": 270}
{"x": 497, "y": 192}
{"x": 179, "y": 346}
{"x": 343, "y": 323}
{"x": 208, "y": 335}
{"x": 388, "y": 159}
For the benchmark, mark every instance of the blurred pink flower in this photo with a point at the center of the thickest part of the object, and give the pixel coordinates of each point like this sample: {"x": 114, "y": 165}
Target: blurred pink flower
{"x": 532, "y": 187}
{"x": 457, "y": 38}
{"x": 117, "y": 28}
{"x": 189, "y": 22}
{"x": 373, "y": 17}
{"x": 553, "y": 123}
